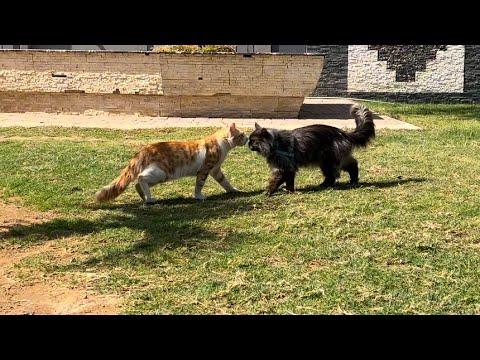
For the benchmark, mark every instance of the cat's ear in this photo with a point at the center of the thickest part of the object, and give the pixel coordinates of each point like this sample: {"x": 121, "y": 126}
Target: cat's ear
{"x": 233, "y": 127}
{"x": 257, "y": 127}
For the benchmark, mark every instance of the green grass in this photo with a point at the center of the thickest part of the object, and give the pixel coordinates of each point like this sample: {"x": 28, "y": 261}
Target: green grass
{"x": 405, "y": 241}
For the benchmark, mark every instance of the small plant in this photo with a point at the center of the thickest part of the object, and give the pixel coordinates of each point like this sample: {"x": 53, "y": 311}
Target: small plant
{"x": 194, "y": 49}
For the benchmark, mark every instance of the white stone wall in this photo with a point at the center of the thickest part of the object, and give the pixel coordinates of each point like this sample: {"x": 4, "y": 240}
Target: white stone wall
{"x": 445, "y": 74}
{"x": 87, "y": 82}
{"x": 160, "y": 84}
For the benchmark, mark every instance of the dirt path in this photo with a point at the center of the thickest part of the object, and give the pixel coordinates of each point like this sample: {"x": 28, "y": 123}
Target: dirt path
{"x": 40, "y": 294}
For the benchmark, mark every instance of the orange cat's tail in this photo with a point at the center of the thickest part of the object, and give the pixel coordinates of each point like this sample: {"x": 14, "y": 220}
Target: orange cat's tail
{"x": 119, "y": 185}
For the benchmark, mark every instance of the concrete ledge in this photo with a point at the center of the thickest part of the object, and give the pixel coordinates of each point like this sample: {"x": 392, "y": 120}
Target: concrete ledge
{"x": 327, "y": 111}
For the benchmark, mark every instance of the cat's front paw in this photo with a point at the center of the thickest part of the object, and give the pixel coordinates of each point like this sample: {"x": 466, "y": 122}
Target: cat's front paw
{"x": 268, "y": 192}
{"x": 233, "y": 190}
{"x": 151, "y": 201}
{"x": 200, "y": 197}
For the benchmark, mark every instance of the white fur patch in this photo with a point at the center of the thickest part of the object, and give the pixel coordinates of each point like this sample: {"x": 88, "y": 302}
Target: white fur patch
{"x": 190, "y": 169}
{"x": 153, "y": 175}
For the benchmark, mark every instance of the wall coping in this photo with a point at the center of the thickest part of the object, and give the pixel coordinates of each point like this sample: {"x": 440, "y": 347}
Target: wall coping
{"x": 148, "y": 53}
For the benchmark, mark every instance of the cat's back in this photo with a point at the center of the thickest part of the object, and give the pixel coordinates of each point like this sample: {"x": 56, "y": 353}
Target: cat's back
{"x": 320, "y": 132}
{"x": 318, "y": 129}
{"x": 171, "y": 148}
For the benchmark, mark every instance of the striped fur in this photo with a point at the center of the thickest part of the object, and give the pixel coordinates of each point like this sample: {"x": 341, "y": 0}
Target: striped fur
{"x": 167, "y": 161}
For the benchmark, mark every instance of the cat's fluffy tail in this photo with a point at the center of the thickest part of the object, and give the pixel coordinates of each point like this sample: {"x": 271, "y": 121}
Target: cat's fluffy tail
{"x": 119, "y": 185}
{"x": 365, "y": 130}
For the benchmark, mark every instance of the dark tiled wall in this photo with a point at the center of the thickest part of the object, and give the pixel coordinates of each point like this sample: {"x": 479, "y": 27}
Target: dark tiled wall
{"x": 405, "y": 60}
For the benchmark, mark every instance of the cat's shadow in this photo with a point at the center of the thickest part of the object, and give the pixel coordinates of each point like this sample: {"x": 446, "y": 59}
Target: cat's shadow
{"x": 179, "y": 201}
{"x": 375, "y": 184}
{"x": 173, "y": 223}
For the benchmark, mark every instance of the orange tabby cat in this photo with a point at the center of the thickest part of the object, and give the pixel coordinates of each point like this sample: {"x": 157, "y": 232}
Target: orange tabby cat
{"x": 165, "y": 161}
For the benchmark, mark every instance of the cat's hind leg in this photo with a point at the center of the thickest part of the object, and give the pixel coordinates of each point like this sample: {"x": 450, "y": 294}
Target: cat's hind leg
{"x": 151, "y": 176}
{"x": 350, "y": 165}
{"x": 140, "y": 191}
{"x": 331, "y": 173}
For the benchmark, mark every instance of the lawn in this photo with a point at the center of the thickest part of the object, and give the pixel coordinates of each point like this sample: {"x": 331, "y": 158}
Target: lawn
{"x": 405, "y": 241}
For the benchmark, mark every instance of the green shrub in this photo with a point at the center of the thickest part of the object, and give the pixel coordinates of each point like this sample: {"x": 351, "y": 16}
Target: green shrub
{"x": 191, "y": 49}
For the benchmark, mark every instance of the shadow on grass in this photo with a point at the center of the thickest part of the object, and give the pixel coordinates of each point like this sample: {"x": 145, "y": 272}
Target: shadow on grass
{"x": 376, "y": 184}
{"x": 214, "y": 199}
{"x": 172, "y": 223}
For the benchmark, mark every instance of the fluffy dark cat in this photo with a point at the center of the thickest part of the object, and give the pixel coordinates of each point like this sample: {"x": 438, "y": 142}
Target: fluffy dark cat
{"x": 325, "y": 146}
